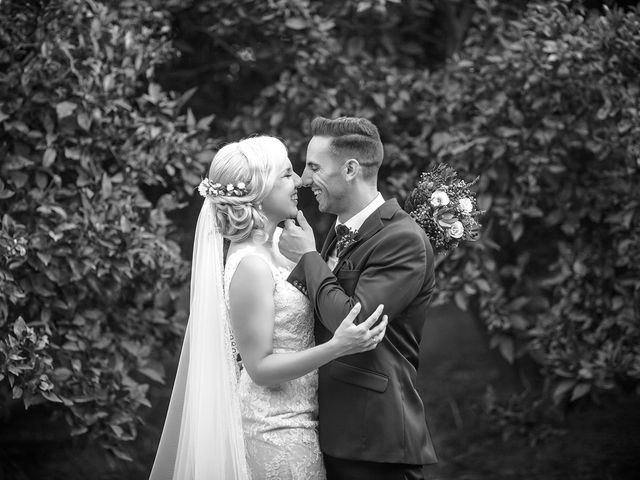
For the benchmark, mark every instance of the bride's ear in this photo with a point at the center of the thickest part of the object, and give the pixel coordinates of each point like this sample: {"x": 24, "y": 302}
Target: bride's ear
{"x": 351, "y": 169}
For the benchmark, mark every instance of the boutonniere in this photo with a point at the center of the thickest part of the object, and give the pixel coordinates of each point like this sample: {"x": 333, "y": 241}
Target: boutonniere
{"x": 346, "y": 237}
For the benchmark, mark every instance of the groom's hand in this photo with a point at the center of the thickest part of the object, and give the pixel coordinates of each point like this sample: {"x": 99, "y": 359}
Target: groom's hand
{"x": 296, "y": 240}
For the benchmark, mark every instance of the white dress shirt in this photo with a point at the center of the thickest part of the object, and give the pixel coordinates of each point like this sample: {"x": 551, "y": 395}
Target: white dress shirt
{"x": 354, "y": 223}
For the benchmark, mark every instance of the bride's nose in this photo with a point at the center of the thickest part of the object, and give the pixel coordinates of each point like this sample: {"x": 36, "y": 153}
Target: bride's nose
{"x": 297, "y": 181}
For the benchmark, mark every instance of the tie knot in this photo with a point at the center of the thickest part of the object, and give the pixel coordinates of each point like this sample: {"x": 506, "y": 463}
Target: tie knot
{"x": 342, "y": 230}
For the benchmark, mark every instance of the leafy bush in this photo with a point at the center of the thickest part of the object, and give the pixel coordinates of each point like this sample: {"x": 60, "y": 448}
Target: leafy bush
{"x": 541, "y": 103}
{"x": 545, "y": 109}
{"x": 94, "y": 155}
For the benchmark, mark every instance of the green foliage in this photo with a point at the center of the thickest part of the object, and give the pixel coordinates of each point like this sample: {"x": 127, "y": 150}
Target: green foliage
{"x": 542, "y": 104}
{"x": 94, "y": 155}
{"x": 545, "y": 108}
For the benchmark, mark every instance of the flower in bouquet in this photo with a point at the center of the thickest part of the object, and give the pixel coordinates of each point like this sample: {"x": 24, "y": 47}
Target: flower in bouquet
{"x": 445, "y": 207}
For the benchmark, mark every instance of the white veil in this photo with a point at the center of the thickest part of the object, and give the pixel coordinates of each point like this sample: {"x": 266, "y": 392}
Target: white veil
{"x": 202, "y": 436}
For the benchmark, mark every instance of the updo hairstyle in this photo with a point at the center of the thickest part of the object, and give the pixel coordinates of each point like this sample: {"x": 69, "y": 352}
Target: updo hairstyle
{"x": 256, "y": 162}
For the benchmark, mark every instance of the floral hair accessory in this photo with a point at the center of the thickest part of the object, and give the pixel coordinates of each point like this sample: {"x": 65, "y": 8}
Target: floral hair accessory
{"x": 445, "y": 208}
{"x": 209, "y": 189}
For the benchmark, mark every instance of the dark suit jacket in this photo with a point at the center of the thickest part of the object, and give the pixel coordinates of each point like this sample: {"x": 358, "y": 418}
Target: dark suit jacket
{"x": 369, "y": 407}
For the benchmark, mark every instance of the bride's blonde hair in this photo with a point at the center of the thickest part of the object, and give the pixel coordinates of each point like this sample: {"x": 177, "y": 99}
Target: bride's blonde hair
{"x": 256, "y": 162}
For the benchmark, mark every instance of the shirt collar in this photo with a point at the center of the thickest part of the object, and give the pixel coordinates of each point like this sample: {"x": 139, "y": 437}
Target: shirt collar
{"x": 355, "y": 222}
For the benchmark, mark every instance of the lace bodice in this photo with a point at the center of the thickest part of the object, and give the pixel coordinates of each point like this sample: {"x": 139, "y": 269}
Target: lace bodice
{"x": 293, "y": 323}
{"x": 280, "y": 422}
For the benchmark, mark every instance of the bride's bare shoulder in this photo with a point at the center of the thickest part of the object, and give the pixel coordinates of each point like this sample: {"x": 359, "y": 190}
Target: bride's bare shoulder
{"x": 251, "y": 263}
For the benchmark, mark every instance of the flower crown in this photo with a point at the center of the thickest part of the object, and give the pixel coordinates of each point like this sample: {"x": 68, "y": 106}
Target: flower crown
{"x": 209, "y": 189}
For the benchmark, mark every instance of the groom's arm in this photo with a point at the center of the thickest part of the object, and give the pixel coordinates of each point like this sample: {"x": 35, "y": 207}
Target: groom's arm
{"x": 394, "y": 274}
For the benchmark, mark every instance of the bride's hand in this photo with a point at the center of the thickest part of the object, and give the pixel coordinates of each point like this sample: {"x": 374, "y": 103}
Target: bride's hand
{"x": 350, "y": 338}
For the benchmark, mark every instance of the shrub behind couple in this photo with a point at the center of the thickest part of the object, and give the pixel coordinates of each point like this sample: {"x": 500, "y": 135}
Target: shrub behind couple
{"x": 261, "y": 421}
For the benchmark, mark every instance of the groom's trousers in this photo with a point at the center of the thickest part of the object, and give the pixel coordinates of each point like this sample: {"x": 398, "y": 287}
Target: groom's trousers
{"x": 342, "y": 469}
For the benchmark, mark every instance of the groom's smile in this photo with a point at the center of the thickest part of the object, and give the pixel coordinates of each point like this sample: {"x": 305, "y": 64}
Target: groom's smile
{"x": 322, "y": 175}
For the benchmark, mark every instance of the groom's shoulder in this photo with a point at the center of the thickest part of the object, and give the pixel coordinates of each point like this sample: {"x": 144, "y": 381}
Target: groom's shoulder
{"x": 397, "y": 219}
{"x": 400, "y": 227}
{"x": 398, "y": 223}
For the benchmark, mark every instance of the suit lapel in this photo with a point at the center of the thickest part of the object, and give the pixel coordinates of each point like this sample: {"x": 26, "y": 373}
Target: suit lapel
{"x": 372, "y": 225}
{"x": 329, "y": 242}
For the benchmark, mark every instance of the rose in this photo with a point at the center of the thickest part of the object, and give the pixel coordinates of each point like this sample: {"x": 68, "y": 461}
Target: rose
{"x": 439, "y": 198}
{"x": 456, "y": 230}
{"x": 241, "y": 186}
{"x": 465, "y": 205}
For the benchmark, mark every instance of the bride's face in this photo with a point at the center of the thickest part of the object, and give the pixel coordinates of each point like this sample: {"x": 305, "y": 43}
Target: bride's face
{"x": 282, "y": 201}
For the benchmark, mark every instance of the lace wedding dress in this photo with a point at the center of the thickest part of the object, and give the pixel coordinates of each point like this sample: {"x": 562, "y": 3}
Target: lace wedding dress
{"x": 280, "y": 422}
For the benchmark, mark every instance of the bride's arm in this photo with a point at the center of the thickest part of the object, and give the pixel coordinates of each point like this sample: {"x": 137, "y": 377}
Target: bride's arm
{"x": 252, "y": 318}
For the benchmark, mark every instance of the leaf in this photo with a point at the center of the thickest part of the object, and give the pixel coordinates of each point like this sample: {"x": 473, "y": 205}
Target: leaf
{"x": 152, "y": 374}
{"x": 185, "y": 97}
{"x": 41, "y": 180}
{"x": 121, "y": 455}
{"x": 276, "y": 118}
{"x": 580, "y": 390}
{"x": 461, "y": 300}
{"x": 62, "y": 374}
{"x": 296, "y": 23}
{"x": 16, "y": 392}
{"x": 125, "y": 225}
{"x": 517, "y": 229}
{"x": 204, "y": 122}
{"x": 52, "y": 397}
{"x": 107, "y": 187}
{"x": 154, "y": 92}
{"x": 19, "y": 327}
{"x": 45, "y": 257}
{"x": 380, "y": 100}
{"x": 483, "y": 285}
{"x": 64, "y": 109}
{"x": 131, "y": 347}
{"x": 49, "y": 157}
{"x": 561, "y": 389}
{"x": 440, "y": 139}
{"x": 84, "y": 121}
{"x": 108, "y": 82}
{"x": 19, "y": 179}
{"x": 506, "y": 347}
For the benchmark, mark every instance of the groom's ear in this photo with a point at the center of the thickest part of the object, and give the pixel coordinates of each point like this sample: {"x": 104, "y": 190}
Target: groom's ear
{"x": 351, "y": 169}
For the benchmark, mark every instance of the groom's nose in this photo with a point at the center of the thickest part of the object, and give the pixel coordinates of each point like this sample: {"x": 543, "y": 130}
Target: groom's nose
{"x": 297, "y": 181}
{"x": 306, "y": 178}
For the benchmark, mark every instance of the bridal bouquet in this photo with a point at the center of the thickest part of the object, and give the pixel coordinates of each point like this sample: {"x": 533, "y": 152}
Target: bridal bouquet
{"x": 445, "y": 208}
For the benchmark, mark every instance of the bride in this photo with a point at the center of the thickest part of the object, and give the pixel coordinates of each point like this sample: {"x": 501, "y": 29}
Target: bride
{"x": 258, "y": 421}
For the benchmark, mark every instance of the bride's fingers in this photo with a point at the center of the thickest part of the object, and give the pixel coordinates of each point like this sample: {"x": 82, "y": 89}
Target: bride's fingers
{"x": 381, "y": 327}
{"x": 353, "y": 313}
{"x": 373, "y": 318}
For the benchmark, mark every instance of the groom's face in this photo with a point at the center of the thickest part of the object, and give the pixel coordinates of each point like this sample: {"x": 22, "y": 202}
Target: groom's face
{"x": 324, "y": 175}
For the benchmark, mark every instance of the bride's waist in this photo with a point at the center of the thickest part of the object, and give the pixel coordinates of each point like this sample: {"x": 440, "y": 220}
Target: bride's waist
{"x": 304, "y": 383}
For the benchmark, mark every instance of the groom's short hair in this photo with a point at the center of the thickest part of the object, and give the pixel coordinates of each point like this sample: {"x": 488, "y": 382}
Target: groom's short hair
{"x": 352, "y": 137}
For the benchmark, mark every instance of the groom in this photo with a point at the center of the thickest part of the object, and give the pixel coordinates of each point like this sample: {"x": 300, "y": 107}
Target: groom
{"x": 372, "y": 421}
